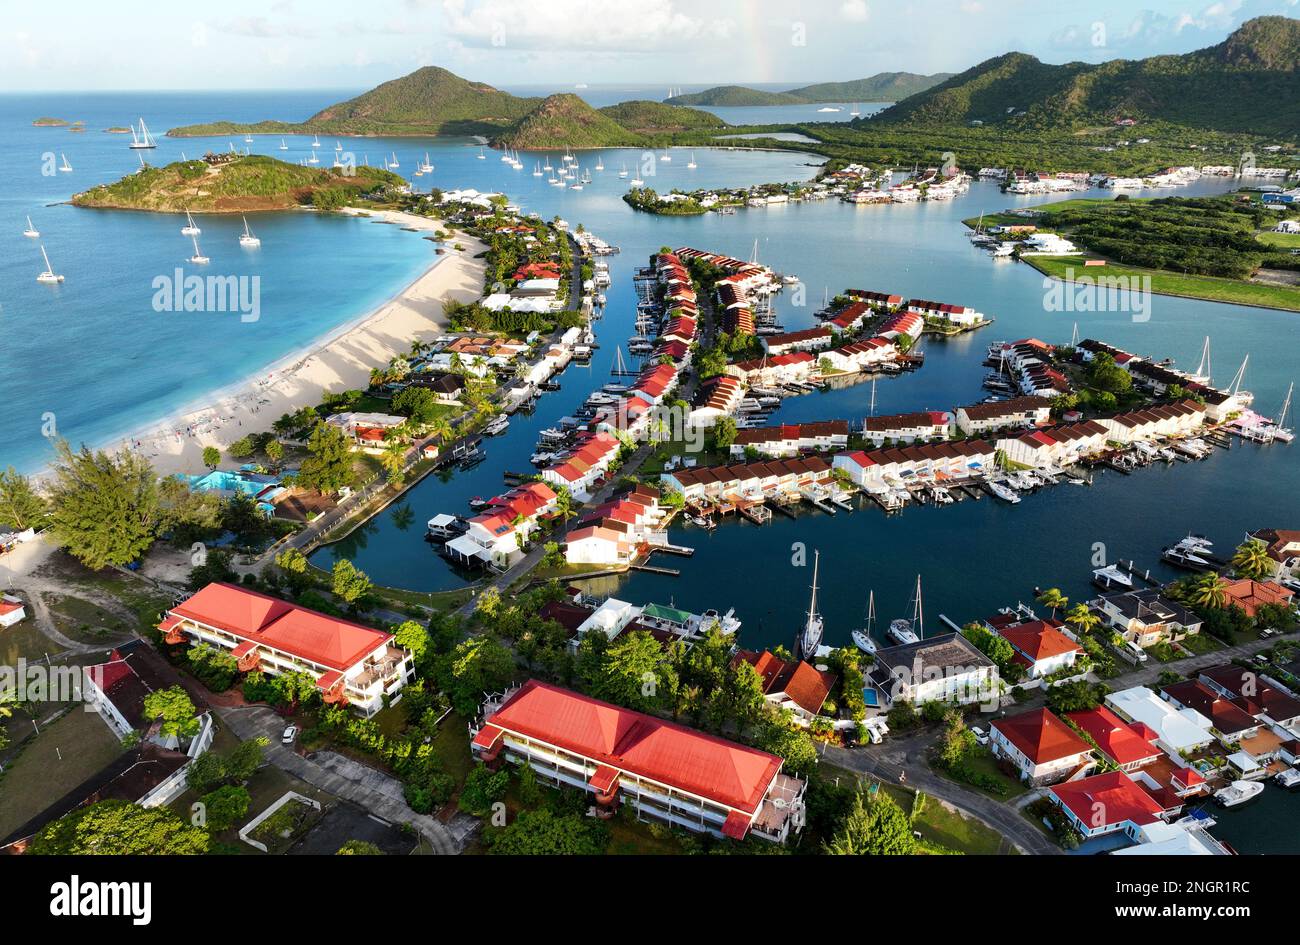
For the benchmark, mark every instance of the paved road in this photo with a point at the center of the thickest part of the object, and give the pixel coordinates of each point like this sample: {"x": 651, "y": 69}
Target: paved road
{"x": 373, "y": 790}
{"x": 888, "y": 761}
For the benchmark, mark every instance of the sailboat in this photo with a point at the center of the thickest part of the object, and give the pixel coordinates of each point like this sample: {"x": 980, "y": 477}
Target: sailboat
{"x": 1202, "y": 375}
{"x": 65, "y": 167}
{"x": 426, "y": 167}
{"x": 863, "y": 638}
{"x": 49, "y": 276}
{"x": 283, "y": 146}
{"x": 481, "y": 155}
{"x": 313, "y": 159}
{"x": 315, "y": 141}
{"x": 547, "y": 165}
{"x": 190, "y": 228}
{"x": 1270, "y": 430}
{"x": 248, "y": 139}
{"x": 247, "y": 238}
{"x": 537, "y": 170}
{"x": 142, "y": 141}
{"x": 393, "y": 165}
{"x": 618, "y": 370}
{"x": 636, "y": 182}
{"x": 811, "y": 637}
{"x": 691, "y": 163}
{"x": 665, "y": 156}
{"x": 338, "y": 145}
{"x": 855, "y": 110}
{"x": 905, "y": 631}
{"x": 623, "y": 172}
{"x": 31, "y": 232}
{"x": 600, "y": 164}
{"x": 1243, "y": 397}
{"x": 198, "y": 256}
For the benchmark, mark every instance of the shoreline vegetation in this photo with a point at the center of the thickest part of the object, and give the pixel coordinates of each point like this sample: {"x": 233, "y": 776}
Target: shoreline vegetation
{"x": 227, "y": 183}
{"x": 1218, "y": 249}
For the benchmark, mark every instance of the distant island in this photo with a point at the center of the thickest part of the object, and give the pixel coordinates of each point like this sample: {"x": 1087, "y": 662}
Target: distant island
{"x": 433, "y": 101}
{"x": 227, "y": 183}
{"x": 50, "y": 122}
{"x": 117, "y": 130}
{"x": 882, "y": 87}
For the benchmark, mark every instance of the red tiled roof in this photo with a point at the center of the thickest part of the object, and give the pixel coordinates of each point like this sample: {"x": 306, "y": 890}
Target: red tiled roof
{"x": 1122, "y": 742}
{"x": 1041, "y": 737}
{"x": 639, "y": 744}
{"x": 280, "y": 625}
{"x": 1113, "y": 795}
{"x": 1039, "y": 640}
{"x": 803, "y": 684}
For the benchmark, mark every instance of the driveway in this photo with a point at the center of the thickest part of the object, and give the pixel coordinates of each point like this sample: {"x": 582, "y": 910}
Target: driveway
{"x": 370, "y": 789}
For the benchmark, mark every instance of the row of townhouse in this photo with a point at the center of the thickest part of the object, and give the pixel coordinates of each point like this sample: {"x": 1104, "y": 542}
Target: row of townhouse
{"x": 790, "y": 439}
{"x": 881, "y": 469}
{"x": 797, "y": 366}
{"x": 850, "y": 318}
{"x": 584, "y": 467}
{"x": 681, "y": 328}
{"x": 668, "y": 773}
{"x": 715, "y": 398}
{"x": 954, "y": 314}
{"x": 923, "y": 427}
{"x": 496, "y": 536}
{"x": 1158, "y": 378}
{"x": 1160, "y": 420}
{"x": 758, "y": 480}
{"x": 1002, "y": 415}
{"x": 1061, "y": 445}
{"x": 806, "y": 339}
{"x": 747, "y": 277}
{"x": 888, "y": 301}
{"x": 610, "y": 533}
{"x": 904, "y": 323}
{"x": 862, "y": 355}
{"x": 737, "y": 314}
{"x": 352, "y": 664}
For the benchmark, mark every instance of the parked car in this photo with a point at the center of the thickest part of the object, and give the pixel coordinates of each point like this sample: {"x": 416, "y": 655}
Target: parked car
{"x": 290, "y": 733}
{"x": 1136, "y": 650}
{"x": 981, "y": 736}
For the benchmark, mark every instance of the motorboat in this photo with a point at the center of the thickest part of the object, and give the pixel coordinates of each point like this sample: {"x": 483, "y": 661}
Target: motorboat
{"x": 1111, "y": 577}
{"x": 1238, "y": 793}
{"x": 701, "y": 521}
{"x": 497, "y": 425}
{"x": 1288, "y": 779}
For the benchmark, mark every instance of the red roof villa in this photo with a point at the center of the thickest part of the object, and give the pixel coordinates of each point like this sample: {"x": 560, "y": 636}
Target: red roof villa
{"x": 669, "y": 773}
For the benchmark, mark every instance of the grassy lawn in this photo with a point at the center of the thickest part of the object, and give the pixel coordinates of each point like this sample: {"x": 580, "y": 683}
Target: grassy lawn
{"x": 451, "y": 746}
{"x": 946, "y": 827}
{"x": 1200, "y": 643}
{"x": 25, "y": 641}
{"x": 64, "y": 754}
{"x": 1163, "y": 282}
{"x": 1283, "y": 240}
{"x": 982, "y": 763}
{"x": 88, "y": 622}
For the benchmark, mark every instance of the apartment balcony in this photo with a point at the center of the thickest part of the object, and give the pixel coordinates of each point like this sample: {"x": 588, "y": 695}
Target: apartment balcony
{"x": 385, "y": 669}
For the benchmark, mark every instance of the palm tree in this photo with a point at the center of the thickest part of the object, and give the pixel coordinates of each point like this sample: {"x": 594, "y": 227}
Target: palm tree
{"x": 1207, "y": 591}
{"x": 1252, "y": 560}
{"x": 1082, "y": 618}
{"x": 1053, "y": 598}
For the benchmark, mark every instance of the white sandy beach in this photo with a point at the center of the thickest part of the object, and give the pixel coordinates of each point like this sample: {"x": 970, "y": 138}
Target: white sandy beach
{"x": 343, "y": 361}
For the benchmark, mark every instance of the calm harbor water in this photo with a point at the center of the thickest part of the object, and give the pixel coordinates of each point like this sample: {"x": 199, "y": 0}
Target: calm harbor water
{"x": 95, "y": 354}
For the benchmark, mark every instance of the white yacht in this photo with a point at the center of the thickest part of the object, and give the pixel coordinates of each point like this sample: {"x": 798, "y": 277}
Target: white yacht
{"x": 247, "y": 239}
{"x": 665, "y": 156}
{"x": 1002, "y": 492}
{"x": 313, "y": 159}
{"x": 143, "y": 140}
{"x": 811, "y": 636}
{"x": 31, "y": 232}
{"x": 1238, "y": 793}
{"x": 904, "y": 631}
{"x": 537, "y": 170}
{"x": 600, "y": 164}
{"x": 190, "y": 229}
{"x": 636, "y": 182}
{"x": 481, "y": 155}
{"x": 1111, "y": 577}
{"x": 315, "y": 141}
{"x": 198, "y": 256}
{"x": 65, "y": 167}
{"x": 393, "y": 165}
{"x": 49, "y": 276}
{"x": 691, "y": 163}
{"x": 863, "y": 638}
{"x": 623, "y": 172}
{"x": 338, "y": 145}
{"x": 283, "y": 146}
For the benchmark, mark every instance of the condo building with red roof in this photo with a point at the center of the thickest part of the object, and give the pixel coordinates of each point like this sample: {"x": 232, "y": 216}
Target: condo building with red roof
{"x": 352, "y": 664}
{"x": 496, "y": 536}
{"x": 668, "y": 773}
{"x": 1127, "y": 745}
{"x": 1107, "y": 803}
{"x": 790, "y": 684}
{"x": 1040, "y": 747}
{"x": 1041, "y": 647}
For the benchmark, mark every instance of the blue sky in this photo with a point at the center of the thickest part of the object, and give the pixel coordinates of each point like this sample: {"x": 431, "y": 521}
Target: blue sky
{"x": 90, "y": 44}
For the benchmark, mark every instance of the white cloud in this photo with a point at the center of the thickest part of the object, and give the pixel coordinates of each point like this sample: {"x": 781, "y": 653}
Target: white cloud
{"x": 971, "y": 6}
{"x": 855, "y": 10}
{"x": 259, "y": 27}
{"x": 644, "y": 26}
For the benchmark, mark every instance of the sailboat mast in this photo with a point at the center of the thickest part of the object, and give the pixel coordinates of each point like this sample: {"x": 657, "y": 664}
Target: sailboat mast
{"x": 918, "y": 611}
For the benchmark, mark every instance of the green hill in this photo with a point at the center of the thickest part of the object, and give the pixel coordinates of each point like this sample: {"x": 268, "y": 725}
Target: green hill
{"x": 566, "y": 121}
{"x": 733, "y": 95}
{"x": 233, "y": 185}
{"x": 429, "y": 101}
{"x": 1248, "y": 83}
{"x": 651, "y": 118}
{"x": 882, "y": 87}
